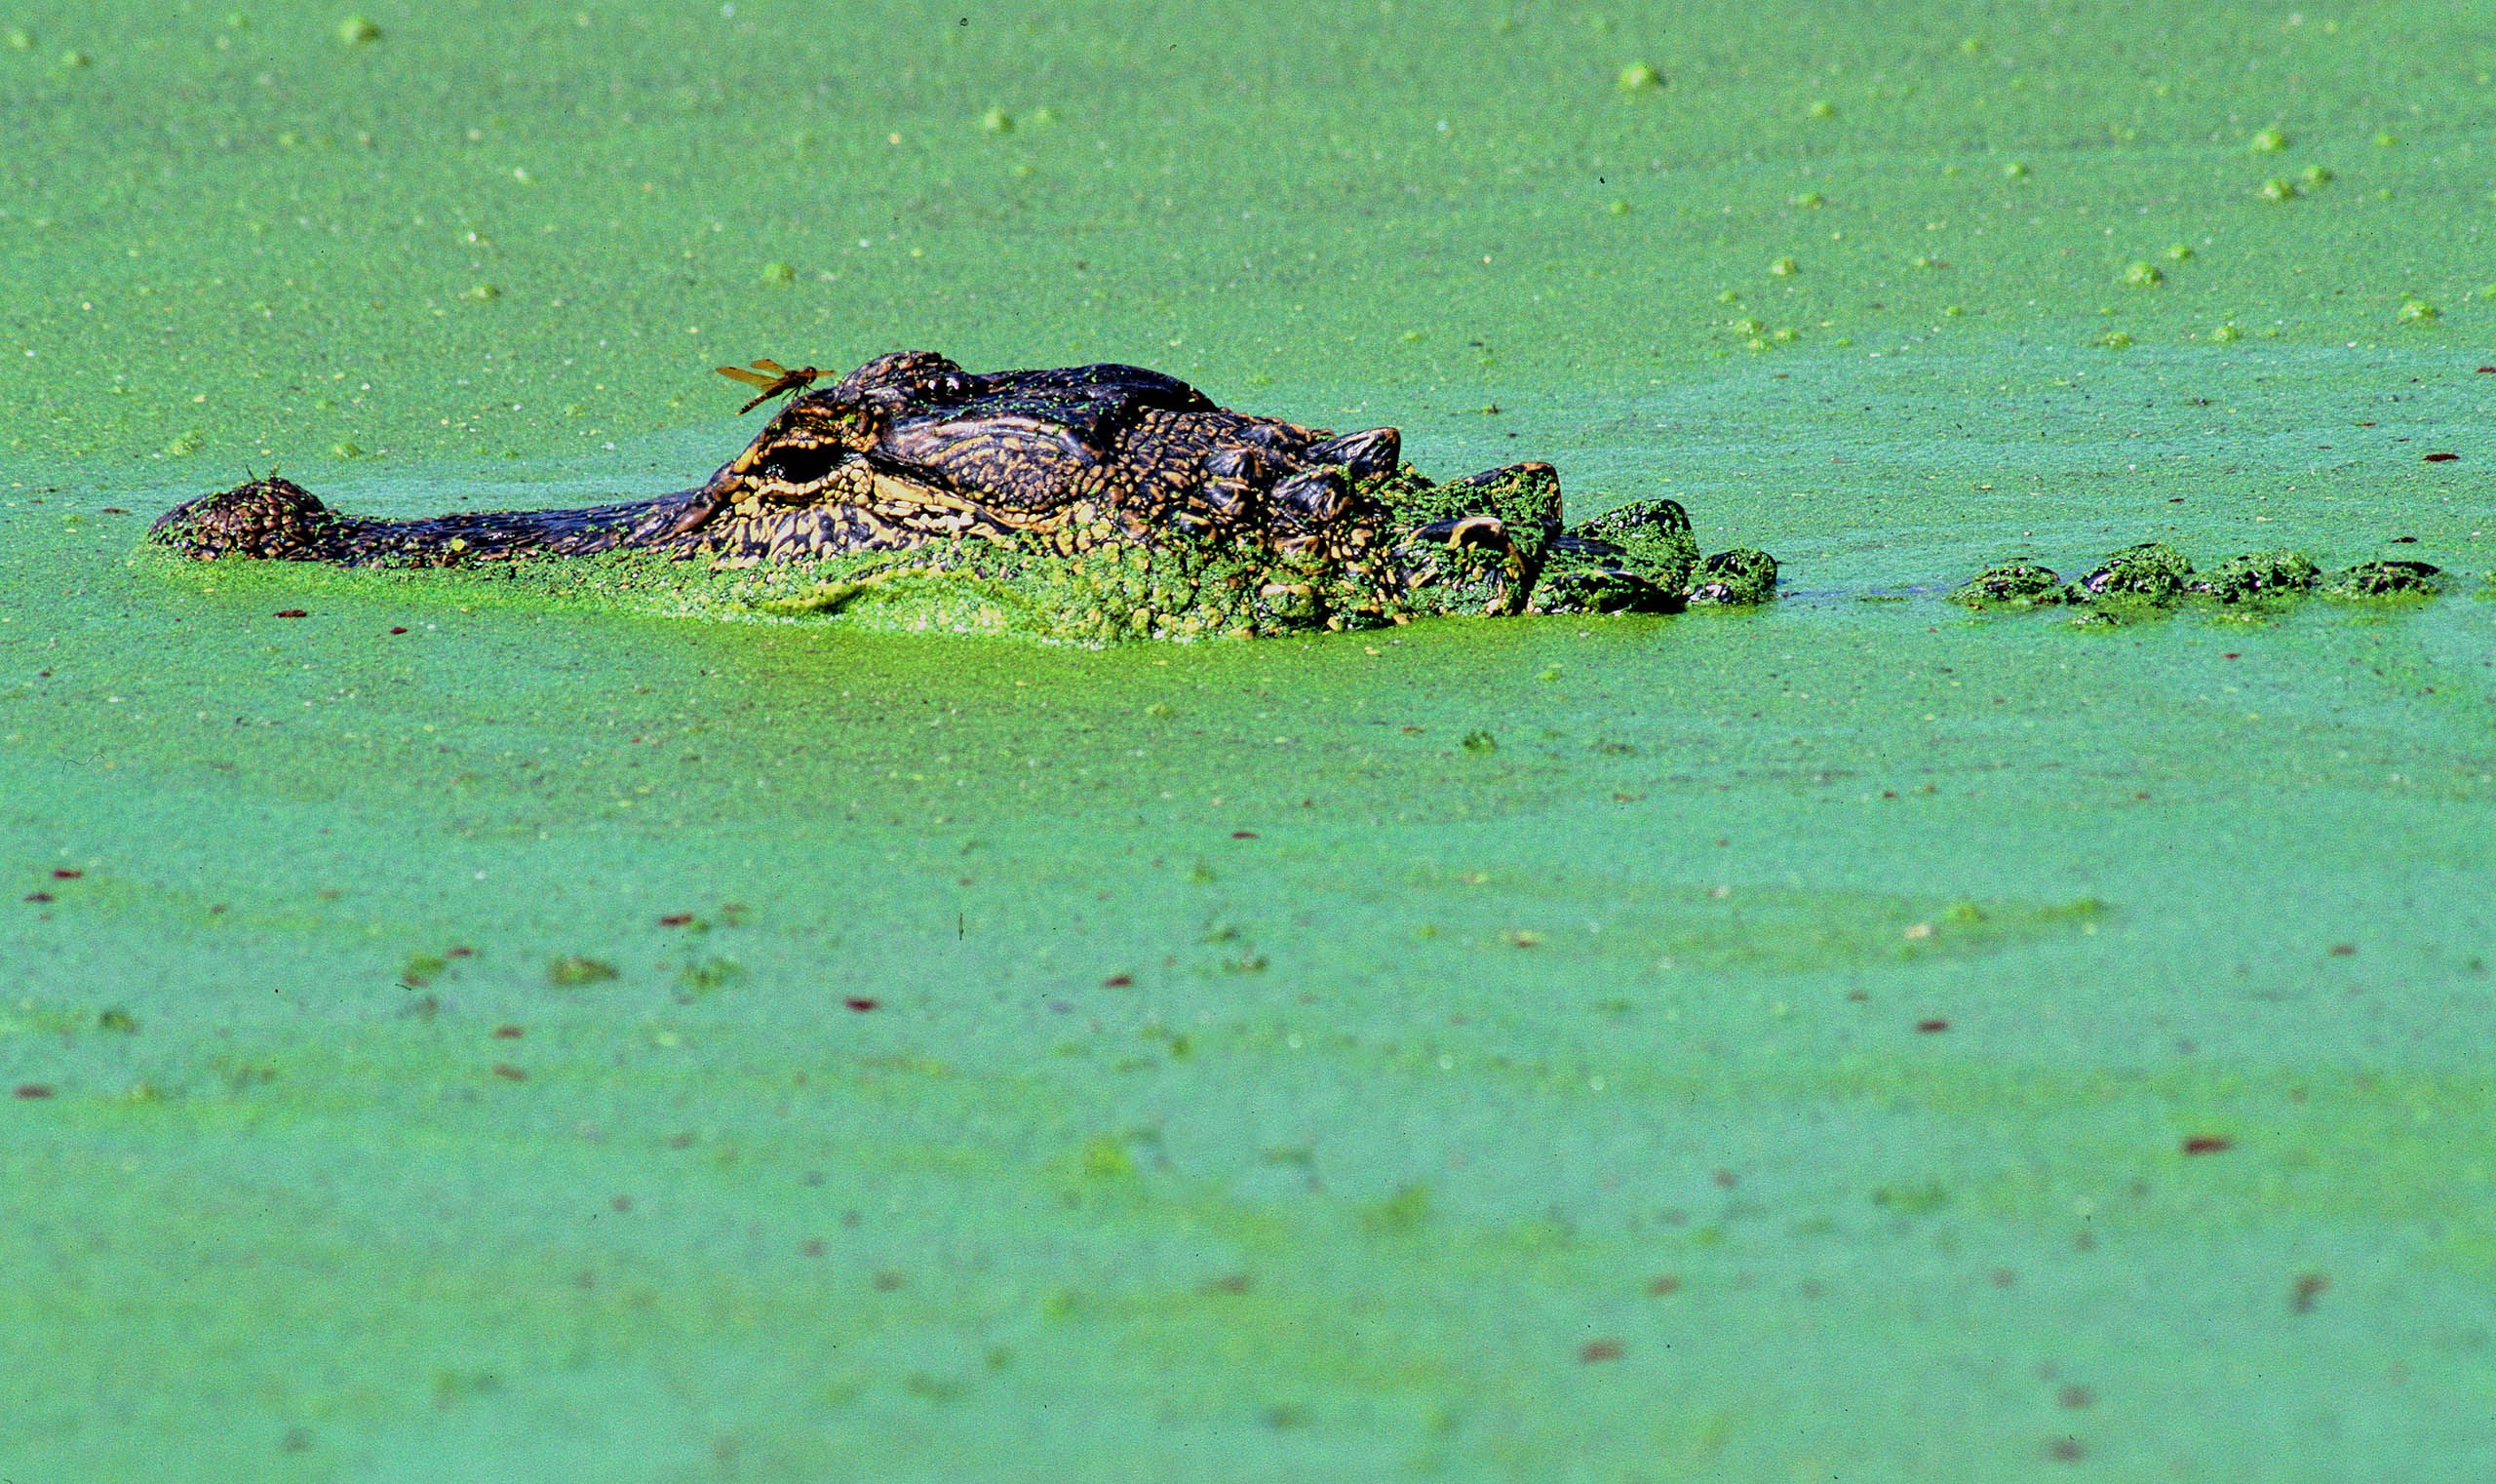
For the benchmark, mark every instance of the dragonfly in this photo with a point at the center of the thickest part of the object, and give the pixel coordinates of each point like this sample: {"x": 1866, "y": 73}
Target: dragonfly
{"x": 773, "y": 379}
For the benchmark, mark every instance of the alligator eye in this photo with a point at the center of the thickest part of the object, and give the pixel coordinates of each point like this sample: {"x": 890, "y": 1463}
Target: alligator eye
{"x": 796, "y": 463}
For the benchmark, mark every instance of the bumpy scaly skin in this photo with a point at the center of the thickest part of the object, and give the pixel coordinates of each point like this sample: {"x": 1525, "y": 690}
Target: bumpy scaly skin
{"x": 1120, "y": 486}
{"x": 2154, "y": 576}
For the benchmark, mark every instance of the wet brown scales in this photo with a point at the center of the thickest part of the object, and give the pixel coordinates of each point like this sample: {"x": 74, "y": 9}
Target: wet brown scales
{"x": 911, "y": 453}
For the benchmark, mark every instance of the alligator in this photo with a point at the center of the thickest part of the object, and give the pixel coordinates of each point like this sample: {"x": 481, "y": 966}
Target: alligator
{"x": 1139, "y": 505}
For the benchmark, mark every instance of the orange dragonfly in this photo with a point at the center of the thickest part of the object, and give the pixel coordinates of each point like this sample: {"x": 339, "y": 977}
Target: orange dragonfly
{"x": 773, "y": 377}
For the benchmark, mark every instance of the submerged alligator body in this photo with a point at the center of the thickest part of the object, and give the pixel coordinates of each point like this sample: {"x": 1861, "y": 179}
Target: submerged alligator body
{"x": 1123, "y": 500}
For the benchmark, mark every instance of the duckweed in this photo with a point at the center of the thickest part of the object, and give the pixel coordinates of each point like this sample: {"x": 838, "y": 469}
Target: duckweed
{"x": 573, "y": 970}
{"x": 2143, "y": 275}
{"x": 1639, "y": 77}
{"x": 2270, "y": 141}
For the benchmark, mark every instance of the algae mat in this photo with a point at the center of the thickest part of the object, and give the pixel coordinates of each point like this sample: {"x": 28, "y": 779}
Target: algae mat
{"x": 458, "y": 1035}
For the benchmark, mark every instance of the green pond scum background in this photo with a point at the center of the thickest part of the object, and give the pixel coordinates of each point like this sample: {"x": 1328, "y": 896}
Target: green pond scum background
{"x": 459, "y": 1035}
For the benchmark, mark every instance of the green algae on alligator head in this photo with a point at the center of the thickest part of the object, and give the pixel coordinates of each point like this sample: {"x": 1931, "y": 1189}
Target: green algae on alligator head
{"x": 2259, "y": 575}
{"x": 1088, "y": 504}
{"x": 2019, "y": 581}
{"x": 2383, "y": 580}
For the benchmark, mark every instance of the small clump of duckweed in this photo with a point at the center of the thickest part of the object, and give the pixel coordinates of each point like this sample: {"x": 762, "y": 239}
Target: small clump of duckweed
{"x": 347, "y": 447}
{"x": 572, "y": 970}
{"x": 1784, "y": 267}
{"x": 779, "y": 274}
{"x": 2018, "y": 582}
{"x": 2180, "y": 252}
{"x": 1809, "y": 200}
{"x": 2014, "y": 169}
{"x": 2270, "y": 141}
{"x": 707, "y": 976}
{"x": 2383, "y": 579}
{"x": 2385, "y": 140}
{"x": 1639, "y": 77}
{"x": 1823, "y": 109}
{"x": 2315, "y": 175}
{"x": 2278, "y": 188}
{"x": 184, "y": 445}
{"x": 20, "y": 39}
{"x": 2116, "y": 339}
{"x": 358, "y": 31}
{"x": 997, "y": 121}
{"x": 2227, "y": 334}
{"x": 2415, "y": 311}
{"x": 2143, "y": 275}
{"x": 1740, "y": 577}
